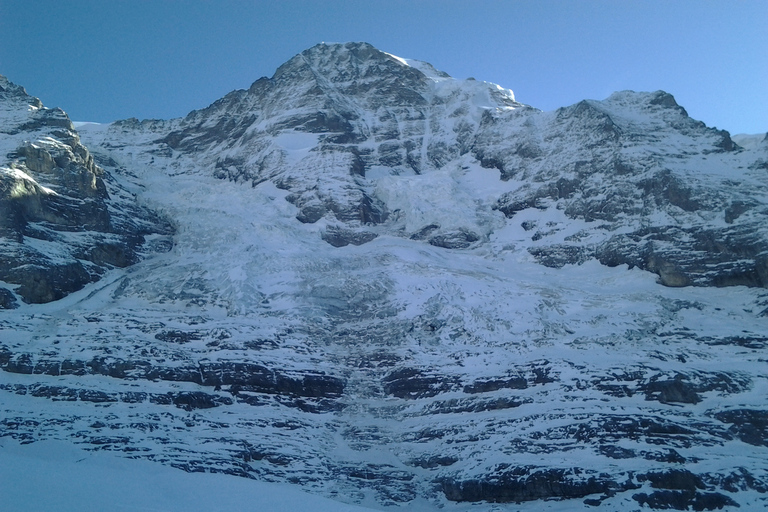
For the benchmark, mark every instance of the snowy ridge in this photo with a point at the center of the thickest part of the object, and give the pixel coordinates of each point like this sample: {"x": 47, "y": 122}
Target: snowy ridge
{"x": 400, "y": 290}
{"x": 751, "y": 141}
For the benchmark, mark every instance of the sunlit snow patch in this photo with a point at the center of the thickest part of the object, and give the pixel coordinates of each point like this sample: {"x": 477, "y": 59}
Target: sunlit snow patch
{"x": 442, "y": 198}
{"x": 296, "y": 144}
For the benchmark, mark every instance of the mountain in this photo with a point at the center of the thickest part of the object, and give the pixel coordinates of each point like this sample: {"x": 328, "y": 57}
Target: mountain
{"x": 60, "y": 229}
{"x": 394, "y": 288}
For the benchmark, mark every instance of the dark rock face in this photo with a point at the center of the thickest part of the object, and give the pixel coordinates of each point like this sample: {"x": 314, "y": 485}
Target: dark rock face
{"x": 254, "y": 377}
{"x": 45, "y": 283}
{"x": 684, "y": 500}
{"x": 679, "y": 489}
{"x": 692, "y": 256}
{"x": 231, "y": 382}
{"x": 460, "y": 239}
{"x": 186, "y": 400}
{"x": 557, "y": 256}
{"x": 340, "y": 237}
{"x": 198, "y": 400}
{"x": 527, "y": 483}
{"x": 679, "y": 479}
{"x": 669, "y": 391}
{"x": 239, "y": 376}
{"x": 414, "y": 383}
{"x": 67, "y": 233}
{"x": 751, "y": 426}
{"x": 7, "y": 299}
{"x": 488, "y": 385}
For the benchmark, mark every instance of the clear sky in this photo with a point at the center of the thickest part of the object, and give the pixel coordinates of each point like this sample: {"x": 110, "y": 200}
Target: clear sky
{"x": 102, "y": 60}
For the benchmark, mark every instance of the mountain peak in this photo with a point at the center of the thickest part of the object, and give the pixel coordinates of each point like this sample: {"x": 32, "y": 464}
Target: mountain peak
{"x": 359, "y": 51}
{"x": 348, "y": 62}
{"x": 350, "y": 46}
{"x": 9, "y": 90}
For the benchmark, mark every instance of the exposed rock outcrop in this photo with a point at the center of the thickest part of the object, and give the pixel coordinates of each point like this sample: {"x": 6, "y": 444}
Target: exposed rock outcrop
{"x": 61, "y": 230}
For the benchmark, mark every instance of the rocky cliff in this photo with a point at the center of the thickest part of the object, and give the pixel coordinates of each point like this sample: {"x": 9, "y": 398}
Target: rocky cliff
{"x": 59, "y": 228}
{"x": 400, "y": 289}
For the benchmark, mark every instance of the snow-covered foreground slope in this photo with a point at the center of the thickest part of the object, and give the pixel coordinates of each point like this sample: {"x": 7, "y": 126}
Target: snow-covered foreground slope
{"x": 423, "y": 296}
{"x": 57, "y": 476}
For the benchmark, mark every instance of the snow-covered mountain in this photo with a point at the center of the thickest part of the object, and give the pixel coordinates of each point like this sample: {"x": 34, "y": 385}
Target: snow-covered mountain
{"x": 393, "y": 288}
{"x": 59, "y": 228}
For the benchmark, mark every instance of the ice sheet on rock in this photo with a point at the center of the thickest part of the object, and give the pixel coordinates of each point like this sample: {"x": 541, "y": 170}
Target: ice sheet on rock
{"x": 436, "y": 199}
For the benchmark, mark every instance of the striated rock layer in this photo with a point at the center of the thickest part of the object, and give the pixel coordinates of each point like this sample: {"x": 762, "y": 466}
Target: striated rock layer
{"x": 399, "y": 289}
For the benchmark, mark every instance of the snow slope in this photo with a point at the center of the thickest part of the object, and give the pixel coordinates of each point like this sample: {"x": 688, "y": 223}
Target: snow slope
{"x": 56, "y": 476}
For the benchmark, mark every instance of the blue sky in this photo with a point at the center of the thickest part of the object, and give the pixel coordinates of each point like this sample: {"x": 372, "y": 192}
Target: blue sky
{"x": 102, "y": 60}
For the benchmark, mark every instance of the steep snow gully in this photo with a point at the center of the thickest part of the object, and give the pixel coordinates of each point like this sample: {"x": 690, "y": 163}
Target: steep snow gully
{"x": 366, "y": 280}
